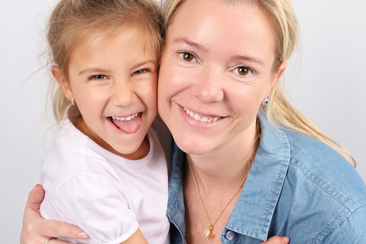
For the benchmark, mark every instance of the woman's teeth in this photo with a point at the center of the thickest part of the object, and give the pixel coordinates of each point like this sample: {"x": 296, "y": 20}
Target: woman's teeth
{"x": 197, "y": 117}
{"x": 126, "y": 118}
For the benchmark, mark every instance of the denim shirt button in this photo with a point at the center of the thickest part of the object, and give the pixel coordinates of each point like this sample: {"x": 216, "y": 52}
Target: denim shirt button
{"x": 229, "y": 235}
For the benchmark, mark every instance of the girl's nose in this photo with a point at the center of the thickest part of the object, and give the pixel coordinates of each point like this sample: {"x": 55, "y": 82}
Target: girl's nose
{"x": 123, "y": 94}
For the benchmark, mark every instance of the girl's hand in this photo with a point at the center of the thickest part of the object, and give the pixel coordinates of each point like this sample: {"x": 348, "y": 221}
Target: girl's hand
{"x": 277, "y": 240}
{"x": 37, "y": 230}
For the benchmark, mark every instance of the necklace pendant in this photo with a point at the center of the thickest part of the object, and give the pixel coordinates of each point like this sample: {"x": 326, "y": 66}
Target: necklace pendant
{"x": 208, "y": 233}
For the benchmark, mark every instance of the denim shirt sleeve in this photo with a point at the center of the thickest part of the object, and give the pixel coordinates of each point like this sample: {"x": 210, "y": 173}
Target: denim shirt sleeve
{"x": 352, "y": 230}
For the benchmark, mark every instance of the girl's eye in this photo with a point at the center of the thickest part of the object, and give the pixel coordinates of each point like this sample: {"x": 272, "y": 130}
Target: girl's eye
{"x": 140, "y": 71}
{"x": 244, "y": 71}
{"x": 98, "y": 77}
{"x": 187, "y": 56}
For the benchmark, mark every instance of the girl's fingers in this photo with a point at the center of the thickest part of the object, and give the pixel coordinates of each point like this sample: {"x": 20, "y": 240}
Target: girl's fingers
{"x": 277, "y": 240}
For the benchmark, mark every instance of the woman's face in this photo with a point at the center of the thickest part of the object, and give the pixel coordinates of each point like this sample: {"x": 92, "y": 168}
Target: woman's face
{"x": 216, "y": 70}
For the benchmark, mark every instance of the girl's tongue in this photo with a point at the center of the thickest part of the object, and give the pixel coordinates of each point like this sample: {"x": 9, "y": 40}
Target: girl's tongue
{"x": 128, "y": 126}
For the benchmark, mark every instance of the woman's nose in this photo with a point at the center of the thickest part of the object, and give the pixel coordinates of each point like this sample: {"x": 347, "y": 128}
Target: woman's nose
{"x": 208, "y": 87}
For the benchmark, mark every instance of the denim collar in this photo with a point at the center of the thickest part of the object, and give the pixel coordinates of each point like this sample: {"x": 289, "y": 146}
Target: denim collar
{"x": 258, "y": 199}
{"x": 175, "y": 210}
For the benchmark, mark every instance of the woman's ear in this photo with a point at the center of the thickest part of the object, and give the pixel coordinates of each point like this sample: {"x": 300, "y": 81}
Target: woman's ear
{"x": 63, "y": 82}
{"x": 281, "y": 70}
{"x": 275, "y": 78}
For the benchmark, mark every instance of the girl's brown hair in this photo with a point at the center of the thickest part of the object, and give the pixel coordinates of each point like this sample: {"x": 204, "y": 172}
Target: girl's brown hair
{"x": 72, "y": 22}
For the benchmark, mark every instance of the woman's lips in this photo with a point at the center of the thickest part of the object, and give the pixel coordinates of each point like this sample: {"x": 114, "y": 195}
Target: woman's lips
{"x": 200, "y": 117}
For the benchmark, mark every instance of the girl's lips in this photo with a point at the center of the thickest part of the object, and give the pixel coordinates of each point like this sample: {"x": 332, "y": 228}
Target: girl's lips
{"x": 126, "y": 118}
{"x": 130, "y": 124}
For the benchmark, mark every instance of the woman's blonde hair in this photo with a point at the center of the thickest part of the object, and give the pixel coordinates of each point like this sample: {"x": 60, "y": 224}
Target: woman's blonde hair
{"x": 72, "y": 22}
{"x": 285, "y": 30}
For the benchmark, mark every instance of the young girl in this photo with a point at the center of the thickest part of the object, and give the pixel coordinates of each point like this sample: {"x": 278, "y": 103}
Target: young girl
{"x": 106, "y": 171}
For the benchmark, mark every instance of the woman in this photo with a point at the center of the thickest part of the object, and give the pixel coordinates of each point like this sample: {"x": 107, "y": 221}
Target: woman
{"x": 219, "y": 94}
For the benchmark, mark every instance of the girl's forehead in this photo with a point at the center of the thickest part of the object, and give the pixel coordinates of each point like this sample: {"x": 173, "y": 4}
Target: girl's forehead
{"x": 104, "y": 37}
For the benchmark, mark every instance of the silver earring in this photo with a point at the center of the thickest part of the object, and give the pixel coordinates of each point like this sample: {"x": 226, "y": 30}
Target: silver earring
{"x": 265, "y": 102}
{"x": 73, "y": 101}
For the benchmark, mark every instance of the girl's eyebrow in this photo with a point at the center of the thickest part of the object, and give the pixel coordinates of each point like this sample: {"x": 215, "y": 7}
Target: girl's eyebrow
{"x": 93, "y": 70}
{"x": 190, "y": 43}
{"x": 143, "y": 63}
{"x": 106, "y": 71}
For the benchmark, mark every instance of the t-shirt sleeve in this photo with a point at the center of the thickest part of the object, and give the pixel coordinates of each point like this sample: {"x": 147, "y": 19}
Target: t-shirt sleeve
{"x": 93, "y": 202}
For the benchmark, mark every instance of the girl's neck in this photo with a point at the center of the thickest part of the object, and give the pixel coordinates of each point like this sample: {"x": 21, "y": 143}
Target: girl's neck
{"x": 138, "y": 154}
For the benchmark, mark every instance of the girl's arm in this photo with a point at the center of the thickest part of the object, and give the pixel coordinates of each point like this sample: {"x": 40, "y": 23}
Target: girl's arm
{"x": 136, "y": 238}
{"x": 38, "y": 230}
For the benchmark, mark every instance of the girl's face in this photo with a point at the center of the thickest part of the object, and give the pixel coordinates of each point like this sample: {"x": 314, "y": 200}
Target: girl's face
{"x": 216, "y": 70}
{"x": 114, "y": 83}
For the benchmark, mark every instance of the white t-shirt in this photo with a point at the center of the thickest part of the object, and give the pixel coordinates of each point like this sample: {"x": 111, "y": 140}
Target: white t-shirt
{"x": 106, "y": 195}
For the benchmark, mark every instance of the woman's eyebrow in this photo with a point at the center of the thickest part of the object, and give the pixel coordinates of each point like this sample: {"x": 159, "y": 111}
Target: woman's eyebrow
{"x": 190, "y": 43}
{"x": 247, "y": 58}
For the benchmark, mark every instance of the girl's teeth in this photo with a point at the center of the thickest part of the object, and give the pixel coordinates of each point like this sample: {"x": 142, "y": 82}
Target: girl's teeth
{"x": 125, "y": 118}
{"x": 197, "y": 117}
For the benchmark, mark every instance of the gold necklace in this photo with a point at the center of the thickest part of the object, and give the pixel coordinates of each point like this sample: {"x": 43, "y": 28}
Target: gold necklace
{"x": 208, "y": 232}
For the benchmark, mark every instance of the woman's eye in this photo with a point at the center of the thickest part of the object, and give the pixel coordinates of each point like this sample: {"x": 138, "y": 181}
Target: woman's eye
{"x": 187, "y": 56}
{"x": 98, "y": 77}
{"x": 244, "y": 71}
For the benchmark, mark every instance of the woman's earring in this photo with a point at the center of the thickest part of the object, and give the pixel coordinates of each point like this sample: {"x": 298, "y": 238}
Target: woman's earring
{"x": 73, "y": 101}
{"x": 265, "y": 102}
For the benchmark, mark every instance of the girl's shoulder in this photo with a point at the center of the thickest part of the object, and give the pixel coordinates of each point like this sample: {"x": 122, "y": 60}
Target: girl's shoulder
{"x": 70, "y": 153}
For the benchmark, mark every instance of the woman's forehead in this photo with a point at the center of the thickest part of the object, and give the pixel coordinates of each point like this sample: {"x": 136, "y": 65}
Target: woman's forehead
{"x": 213, "y": 25}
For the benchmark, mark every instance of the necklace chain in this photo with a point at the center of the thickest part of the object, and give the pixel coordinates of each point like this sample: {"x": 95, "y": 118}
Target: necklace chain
{"x": 208, "y": 232}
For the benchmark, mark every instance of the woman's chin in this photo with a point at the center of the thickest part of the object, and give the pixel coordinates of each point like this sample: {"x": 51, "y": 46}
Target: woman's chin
{"x": 194, "y": 145}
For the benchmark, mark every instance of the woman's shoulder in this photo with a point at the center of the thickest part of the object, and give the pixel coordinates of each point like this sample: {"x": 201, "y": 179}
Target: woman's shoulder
{"x": 322, "y": 193}
{"x": 321, "y": 168}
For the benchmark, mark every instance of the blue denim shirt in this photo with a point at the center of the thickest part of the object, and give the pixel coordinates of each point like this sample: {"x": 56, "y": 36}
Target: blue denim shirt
{"x": 297, "y": 187}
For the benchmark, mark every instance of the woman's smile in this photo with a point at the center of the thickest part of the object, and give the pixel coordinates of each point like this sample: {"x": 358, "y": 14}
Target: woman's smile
{"x": 213, "y": 79}
{"x": 200, "y": 117}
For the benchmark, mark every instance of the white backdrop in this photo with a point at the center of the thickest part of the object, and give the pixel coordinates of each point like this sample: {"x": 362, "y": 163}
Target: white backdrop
{"x": 328, "y": 87}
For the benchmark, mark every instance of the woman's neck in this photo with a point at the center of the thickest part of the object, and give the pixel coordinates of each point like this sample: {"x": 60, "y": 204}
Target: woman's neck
{"x": 226, "y": 167}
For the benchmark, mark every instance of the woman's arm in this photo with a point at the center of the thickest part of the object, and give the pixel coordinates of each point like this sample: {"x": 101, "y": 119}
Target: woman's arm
{"x": 38, "y": 230}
